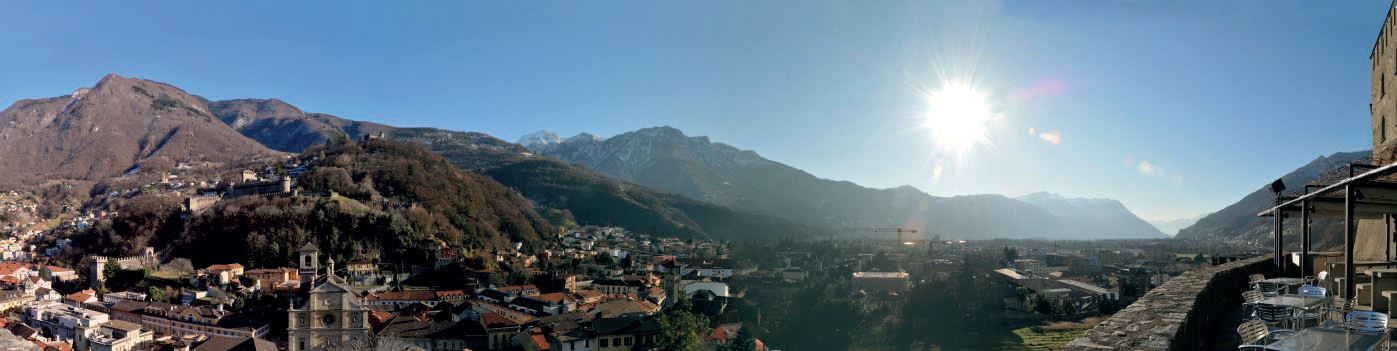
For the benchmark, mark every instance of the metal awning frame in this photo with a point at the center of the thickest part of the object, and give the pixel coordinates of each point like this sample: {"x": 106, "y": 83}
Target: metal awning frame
{"x": 1363, "y": 196}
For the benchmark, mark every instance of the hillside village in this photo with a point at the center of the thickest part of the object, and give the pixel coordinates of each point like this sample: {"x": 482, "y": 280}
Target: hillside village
{"x": 592, "y": 287}
{"x": 587, "y": 287}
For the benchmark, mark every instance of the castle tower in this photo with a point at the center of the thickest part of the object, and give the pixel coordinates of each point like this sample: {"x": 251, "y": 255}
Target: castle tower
{"x": 99, "y": 263}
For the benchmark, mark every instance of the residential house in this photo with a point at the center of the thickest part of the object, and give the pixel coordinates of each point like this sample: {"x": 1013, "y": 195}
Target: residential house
{"x": 115, "y": 335}
{"x": 165, "y": 318}
{"x": 78, "y": 299}
{"x": 494, "y": 296}
{"x": 123, "y": 295}
{"x": 12, "y": 299}
{"x": 269, "y": 278}
{"x": 18, "y": 270}
{"x": 46, "y": 294}
{"x": 224, "y": 273}
{"x": 399, "y": 299}
{"x": 363, "y": 273}
{"x": 718, "y": 268}
{"x": 620, "y": 287}
{"x": 560, "y": 303}
{"x": 533, "y": 339}
{"x": 499, "y": 329}
{"x": 622, "y": 307}
{"x": 451, "y": 296}
{"x": 519, "y": 290}
{"x": 626, "y": 333}
{"x": 62, "y": 274}
{"x": 533, "y": 306}
{"x": 575, "y": 339}
{"x": 64, "y": 322}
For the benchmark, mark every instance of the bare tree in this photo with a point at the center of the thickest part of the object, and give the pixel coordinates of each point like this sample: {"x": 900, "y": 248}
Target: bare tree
{"x": 182, "y": 265}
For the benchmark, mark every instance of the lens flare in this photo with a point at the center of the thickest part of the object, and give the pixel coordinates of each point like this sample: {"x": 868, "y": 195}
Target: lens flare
{"x": 1052, "y": 137}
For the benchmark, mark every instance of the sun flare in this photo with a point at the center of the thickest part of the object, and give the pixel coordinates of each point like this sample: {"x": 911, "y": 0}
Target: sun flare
{"x": 958, "y": 116}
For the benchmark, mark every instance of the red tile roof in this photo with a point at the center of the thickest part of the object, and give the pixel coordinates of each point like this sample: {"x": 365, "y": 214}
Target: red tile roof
{"x": 540, "y": 339}
{"x": 496, "y": 320}
{"x": 451, "y": 293}
{"x": 225, "y": 267}
{"x": 404, "y": 296}
{"x": 78, "y": 297}
{"x": 557, "y": 298}
{"x": 517, "y": 288}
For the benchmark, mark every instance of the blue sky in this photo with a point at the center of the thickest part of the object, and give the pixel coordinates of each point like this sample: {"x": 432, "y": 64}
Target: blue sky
{"x": 1218, "y": 98}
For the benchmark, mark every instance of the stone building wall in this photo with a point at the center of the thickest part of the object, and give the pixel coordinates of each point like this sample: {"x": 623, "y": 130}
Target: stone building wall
{"x": 1384, "y": 103}
{"x": 1179, "y": 315}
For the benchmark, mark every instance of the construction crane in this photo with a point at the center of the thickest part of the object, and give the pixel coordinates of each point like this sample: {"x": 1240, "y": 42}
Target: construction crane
{"x": 898, "y": 230}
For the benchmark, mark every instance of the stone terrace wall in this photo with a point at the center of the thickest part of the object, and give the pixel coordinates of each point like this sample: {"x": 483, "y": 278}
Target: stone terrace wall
{"x": 1182, "y": 314}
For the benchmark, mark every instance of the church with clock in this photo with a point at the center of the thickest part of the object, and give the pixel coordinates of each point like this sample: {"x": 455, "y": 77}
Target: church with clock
{"x": 329, "y": 314}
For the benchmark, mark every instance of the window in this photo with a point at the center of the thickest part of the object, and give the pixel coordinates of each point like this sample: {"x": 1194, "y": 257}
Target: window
{"x": 628, "y": 341}
{"x": 616, "y": 341}
{"x": 572, "y": 345}
{"x": 603, "y": 342}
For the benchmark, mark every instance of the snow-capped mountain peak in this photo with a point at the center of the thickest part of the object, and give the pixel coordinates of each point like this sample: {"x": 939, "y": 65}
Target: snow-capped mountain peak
{"x": 539, "y": 139}
{"x": 584, "y": 136}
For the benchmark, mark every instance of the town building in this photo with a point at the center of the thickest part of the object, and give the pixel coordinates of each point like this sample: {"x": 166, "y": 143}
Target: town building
{"x": 363, "y": 273}
{"x": 224, "y": 273}
{"x": 171, "y": 319}
{"x": 330, "y": 313}
{"x": 116, "y": 335}
{"x": 270, "y": 278}
{"x": 881, "y": 281}
{"x": 64, "y": 322}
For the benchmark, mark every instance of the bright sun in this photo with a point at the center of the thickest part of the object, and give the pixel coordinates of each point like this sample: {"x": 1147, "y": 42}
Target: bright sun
{"x": 958, "y": 117}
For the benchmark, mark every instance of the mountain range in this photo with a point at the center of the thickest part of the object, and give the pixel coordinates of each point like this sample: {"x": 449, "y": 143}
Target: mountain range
{"x": 656, "y": 179}
{"x": 111, "y": 128}
{"x": 1172, "y": 226}
{"x": 1239, "y": 221}
{"x": 666, "y": 159}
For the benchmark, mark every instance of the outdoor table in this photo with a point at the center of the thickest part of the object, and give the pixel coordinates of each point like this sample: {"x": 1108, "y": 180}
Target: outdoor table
{"x": 1285, "y": 283}
{"x": 1296, "y": 302}
{"x": 1327, "y": 339}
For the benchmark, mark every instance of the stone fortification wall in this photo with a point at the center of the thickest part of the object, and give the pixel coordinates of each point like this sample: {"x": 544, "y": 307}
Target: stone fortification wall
{"x": 1182, "y": 314}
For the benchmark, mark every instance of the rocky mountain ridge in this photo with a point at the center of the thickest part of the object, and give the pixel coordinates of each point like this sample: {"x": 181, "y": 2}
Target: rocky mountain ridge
{"x": 666, "y": 159}
{"x": 1238, "y": 221}
{"x": 111, "y": 128}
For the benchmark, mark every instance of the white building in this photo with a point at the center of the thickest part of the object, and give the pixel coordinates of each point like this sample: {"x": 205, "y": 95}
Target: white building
{"x": 65, "y": 321}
